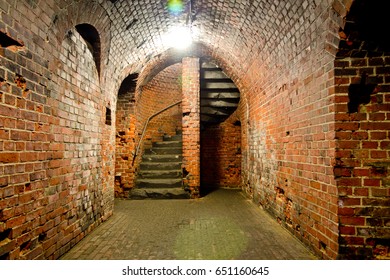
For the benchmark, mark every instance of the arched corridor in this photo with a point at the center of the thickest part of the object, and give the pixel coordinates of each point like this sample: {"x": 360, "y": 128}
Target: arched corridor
{"x": 285, "y": 101}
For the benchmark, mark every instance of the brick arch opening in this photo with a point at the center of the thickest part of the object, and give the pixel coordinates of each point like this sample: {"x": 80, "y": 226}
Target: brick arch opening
{"x": 362, "y": 167}
{"x": 94, "y": 27}
{"x": 136, "y": 104}
{"x": 224, "y": 152}
{"x": 157, "y": 63}
{"x": 169, "y": 57}
{"x": 220, "y": 130}
{"x": 92, "y": 39}
{"x": 160, "y": 92}
{"x": 161, "y": 76}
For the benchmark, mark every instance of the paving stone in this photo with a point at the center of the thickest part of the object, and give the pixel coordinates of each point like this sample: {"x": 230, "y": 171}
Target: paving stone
{"x": 221, "y": 225}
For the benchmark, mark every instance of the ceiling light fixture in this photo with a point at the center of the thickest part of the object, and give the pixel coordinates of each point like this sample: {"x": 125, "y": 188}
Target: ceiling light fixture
{"x": 178, "y": 37}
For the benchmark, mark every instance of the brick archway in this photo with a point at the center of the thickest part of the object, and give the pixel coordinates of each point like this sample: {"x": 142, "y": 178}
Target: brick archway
{"x": 70, "y": 16}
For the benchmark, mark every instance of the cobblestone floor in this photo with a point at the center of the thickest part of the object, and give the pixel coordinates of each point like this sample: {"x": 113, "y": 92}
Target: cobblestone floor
{"x": 221, "y": 225}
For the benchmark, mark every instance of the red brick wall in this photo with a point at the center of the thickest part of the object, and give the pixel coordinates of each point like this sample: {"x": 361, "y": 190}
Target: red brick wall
{"x": 133, "y": 110}
{"x": 288, "y": 131}
{"x": 191, "y": 124}
{"x": 221, "y": 155}
{"x": 362, "y": 106}
{"x": 55, "y": 158}
{"x": 362, "y": 158}
{"x": 163, "y": 90}
{"x": 125, "y": 138}
{"x": 321, "y": 170}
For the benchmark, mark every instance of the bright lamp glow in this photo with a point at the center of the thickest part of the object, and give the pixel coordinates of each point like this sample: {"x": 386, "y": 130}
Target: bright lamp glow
{"x": 178, "y": 37}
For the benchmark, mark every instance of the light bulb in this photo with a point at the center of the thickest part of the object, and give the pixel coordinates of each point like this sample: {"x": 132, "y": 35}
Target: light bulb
{"x": 178, "y": 37}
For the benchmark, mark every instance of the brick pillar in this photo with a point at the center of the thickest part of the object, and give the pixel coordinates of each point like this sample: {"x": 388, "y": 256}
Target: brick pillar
{"x": 191, "y": 124}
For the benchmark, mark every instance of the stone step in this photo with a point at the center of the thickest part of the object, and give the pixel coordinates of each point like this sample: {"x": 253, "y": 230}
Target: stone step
{"x": 159, "y": 183}
{"x": 164, "y": 151}
{"x": 161, "y": 158}
{"x": 168, "y": 144}
{"x": 160, "y": 165}
{"x": 160, "y": 175}
{"x": 215, "y": 73}
{"x": 177, "y": 137}
{"x": 160, "y": 193}
{"x": 163, "y": 174}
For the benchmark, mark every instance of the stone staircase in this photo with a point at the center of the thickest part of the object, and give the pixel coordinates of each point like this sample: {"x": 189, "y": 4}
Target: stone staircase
{"x": 160, "y": 174}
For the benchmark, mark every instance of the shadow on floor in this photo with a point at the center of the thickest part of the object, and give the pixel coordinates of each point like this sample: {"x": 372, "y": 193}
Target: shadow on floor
{"x": 222, "y": 225}
{"x": 205, "y": 191}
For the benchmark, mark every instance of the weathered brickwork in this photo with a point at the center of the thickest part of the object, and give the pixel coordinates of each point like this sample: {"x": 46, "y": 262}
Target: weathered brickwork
{"x": 362, "y": 107}
{"x": 287, "y": 128}
{"x": 55, "y": 148}
{"x": 134, "y": 108}
{"x": 163, "y": 91}
{"x": 362, "y": 157}
{"x": 221, "y": 155}
{"x": 191, "y": 124}
{"x": 125, "y": 136}
{"x": 309, "y": 142}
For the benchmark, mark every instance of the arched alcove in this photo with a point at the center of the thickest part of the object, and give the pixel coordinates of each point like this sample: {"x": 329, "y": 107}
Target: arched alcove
{"x": 92, "y": 39}
{"x": 220, "y": 129}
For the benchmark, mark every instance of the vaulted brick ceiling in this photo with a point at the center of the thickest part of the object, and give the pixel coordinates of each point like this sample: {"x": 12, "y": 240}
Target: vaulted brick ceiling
{"x": 234, "y": 30}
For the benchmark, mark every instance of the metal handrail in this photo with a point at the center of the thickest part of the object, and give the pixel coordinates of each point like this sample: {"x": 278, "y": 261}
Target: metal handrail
{"x": 146, "y": 125}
